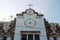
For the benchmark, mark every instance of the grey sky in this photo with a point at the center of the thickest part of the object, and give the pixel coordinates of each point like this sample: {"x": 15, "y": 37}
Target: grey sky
{"x": 50, "y": 8}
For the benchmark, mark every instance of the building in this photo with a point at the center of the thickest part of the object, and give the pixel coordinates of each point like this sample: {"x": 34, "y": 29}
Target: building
{"x": 7, "y": 30}
{"x": 29, "y": 25}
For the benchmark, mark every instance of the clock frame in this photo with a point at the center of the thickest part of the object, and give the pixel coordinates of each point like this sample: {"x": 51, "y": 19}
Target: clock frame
{"x": 29, "y": 22}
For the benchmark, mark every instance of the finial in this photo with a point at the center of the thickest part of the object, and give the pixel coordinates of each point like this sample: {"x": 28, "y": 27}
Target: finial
{"x": 30, "y": 5}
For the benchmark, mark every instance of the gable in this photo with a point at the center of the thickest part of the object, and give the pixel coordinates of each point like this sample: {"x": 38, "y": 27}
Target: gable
{"x": 29, "y": 12}
{"x": 27, "y": 15}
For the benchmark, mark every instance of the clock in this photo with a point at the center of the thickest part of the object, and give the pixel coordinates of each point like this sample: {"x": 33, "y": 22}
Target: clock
{"x": 29, "y": 11}
{"x": 29, "y": 22}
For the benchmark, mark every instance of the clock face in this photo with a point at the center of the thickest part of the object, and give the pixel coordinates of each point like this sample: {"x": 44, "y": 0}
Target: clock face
{"x": 30, "y": 22}
{"x": 29, "y": 11}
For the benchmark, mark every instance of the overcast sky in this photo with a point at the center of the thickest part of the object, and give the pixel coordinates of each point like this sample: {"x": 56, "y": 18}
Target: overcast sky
{"x": 50, "y": 8}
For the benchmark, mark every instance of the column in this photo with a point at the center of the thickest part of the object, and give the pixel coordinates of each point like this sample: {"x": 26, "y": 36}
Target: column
{"x": 27, "y": 36}
{"x": 43, "y": 37}
{"x": 33, "y": 36}
{"x": 20, "y": 36}
{"x": 17, "y": 37}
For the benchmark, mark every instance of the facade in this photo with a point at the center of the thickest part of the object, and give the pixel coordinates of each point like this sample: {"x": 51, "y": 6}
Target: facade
{"x": 29, "y": 25}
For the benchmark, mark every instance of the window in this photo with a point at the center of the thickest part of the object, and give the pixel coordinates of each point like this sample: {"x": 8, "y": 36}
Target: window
{"x": 37, "y": 37}
{"x": 24, "y": 37}
{"x": 30, "y": 37}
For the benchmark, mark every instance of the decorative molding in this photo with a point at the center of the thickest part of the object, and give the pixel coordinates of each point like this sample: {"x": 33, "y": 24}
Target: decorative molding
{"x": 19, "y": 14}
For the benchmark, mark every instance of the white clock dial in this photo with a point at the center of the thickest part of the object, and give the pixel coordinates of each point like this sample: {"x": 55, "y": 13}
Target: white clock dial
{"x": 29, "y": 11}
{"x": 30, "y": 22}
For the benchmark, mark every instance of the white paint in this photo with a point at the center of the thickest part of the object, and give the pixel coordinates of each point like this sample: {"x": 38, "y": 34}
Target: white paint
{"x": 40, "y": 26}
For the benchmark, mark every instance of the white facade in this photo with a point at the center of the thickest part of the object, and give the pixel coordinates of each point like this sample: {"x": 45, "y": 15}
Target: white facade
{"x": 30, "y": 22}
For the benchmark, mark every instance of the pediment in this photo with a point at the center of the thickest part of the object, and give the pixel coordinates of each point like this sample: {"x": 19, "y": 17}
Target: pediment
{"x": 29, "y": 12}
